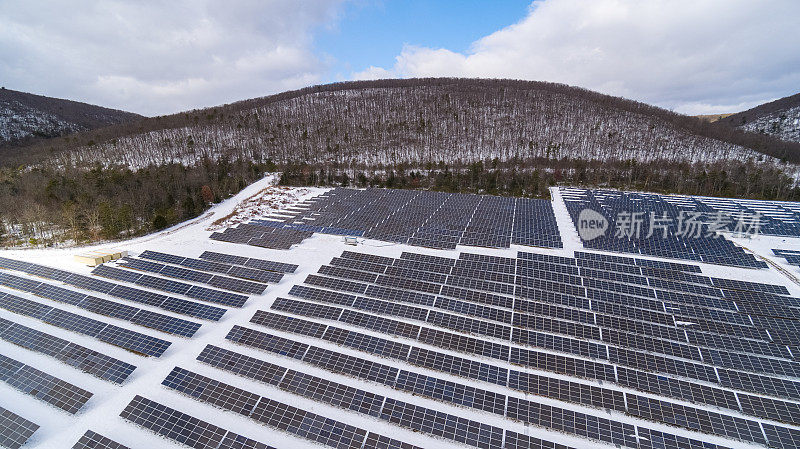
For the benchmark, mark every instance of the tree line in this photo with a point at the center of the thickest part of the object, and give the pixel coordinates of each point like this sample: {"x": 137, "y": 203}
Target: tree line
{"x": 532, "y": 178}
{"x": 44, "y": 206}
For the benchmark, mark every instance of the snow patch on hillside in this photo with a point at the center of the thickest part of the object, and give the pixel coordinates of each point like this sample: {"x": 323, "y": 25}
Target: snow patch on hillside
{"x": 18, "y": 121}
{"x": 781, "y": 124}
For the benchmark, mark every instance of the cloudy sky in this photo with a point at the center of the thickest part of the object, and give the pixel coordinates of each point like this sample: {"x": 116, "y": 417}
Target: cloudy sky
{"x": 155, "y": 57}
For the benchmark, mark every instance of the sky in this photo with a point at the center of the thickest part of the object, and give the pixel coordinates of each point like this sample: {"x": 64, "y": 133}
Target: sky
{"x": 154, "y": 57}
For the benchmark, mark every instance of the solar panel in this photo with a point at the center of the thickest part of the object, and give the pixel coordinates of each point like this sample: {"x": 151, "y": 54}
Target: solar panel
{"x": 85, "y": 359}
{"x": 183, "y": 428}
{"x": 93, "y": 440}
{"x": 259, "y": 264}
{"x": 126, "y": 339}
{"x": 120, "y": 291}
{"x": 15, "y": 430}
{"x": 269, "y": 412}
{"x": 109, "y": 308}
{"x": 43, "y": 386}
{"x": 224, "y": 282}
{"x": 192, "y": 291}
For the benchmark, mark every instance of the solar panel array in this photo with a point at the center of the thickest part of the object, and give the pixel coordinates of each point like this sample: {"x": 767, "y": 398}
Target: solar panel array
{"x": 370, "y": 351}
{"x": 263, "y": 236}
{"x": 792, "y": 256}
{"x": 780, "y": 218}
{"x": 707, "y": 353}
{"x": 700, "y": 246}
{"x": 421, "y": 218}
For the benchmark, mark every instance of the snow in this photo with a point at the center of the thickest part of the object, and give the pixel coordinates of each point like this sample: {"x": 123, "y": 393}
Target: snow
{"x": 784, "y": 124}
{"x": 101, "y": 414}
{"x": 18, "y": 121}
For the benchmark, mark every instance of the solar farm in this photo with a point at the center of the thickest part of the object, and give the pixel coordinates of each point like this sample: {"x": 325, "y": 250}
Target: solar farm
{"x": 406, "y": 319}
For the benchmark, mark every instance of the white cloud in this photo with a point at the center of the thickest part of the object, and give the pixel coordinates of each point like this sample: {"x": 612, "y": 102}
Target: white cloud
{"x": 691, "y": 56}
{"x": 372, "y": 73}
{"x": 156, "y": 57}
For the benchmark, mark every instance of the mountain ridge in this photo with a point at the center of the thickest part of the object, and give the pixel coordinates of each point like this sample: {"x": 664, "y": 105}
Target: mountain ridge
{"x": 508, "y": 118}
{"x": 779, "y": 118}
{"x": 27, "y": 118}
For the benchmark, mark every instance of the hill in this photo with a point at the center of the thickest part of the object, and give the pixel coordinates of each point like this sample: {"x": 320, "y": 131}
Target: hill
{"x": 26, "y": 118}
{"x": 779, "y": 118}
{"x": 419, "y": 121}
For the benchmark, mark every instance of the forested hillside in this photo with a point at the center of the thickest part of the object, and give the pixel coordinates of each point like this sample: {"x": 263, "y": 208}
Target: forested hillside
{"x": 26, "y": 118}
{"x": 421, "y": 121}
{"x": 779, "y": 118}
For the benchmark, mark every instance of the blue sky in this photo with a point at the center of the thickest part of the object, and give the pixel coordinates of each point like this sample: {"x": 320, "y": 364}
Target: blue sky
{"x": 373, "y": 33}
{"x": 154, "y": 57}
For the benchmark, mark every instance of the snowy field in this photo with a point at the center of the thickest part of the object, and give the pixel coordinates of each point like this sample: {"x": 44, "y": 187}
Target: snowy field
{"x": 101, "y": 414}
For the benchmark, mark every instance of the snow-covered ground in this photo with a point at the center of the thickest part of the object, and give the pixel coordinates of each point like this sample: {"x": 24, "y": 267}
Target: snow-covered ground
{"x": 101, "y": 413}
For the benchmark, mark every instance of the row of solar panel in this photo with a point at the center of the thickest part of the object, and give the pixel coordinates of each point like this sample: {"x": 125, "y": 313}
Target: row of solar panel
{"x": 237, "y": 271}
{"x": 419, "y": 384}
{"x": 82, "y": 358}
{"x": 125, "y": 338}
{"x": 182, "y": 288}
{"x": 42, "y": 386}
{"x": 93, "y": 440}
{"x": 250, "y": 262}
{"x": 172, "y": 304}
{"x": 157, "y": 321}
{"x": 223, "y": 282}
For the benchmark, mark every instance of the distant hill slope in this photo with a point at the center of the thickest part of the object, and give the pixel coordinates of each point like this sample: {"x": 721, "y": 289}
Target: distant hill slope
{"x": 420, "y": 121}
{"x": 25, "y": 117}
{"x": 779, "y": 118}
{"x": 712, "y": 117}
